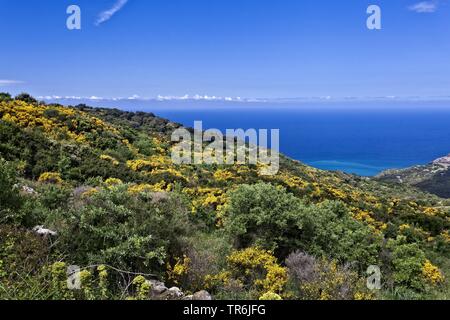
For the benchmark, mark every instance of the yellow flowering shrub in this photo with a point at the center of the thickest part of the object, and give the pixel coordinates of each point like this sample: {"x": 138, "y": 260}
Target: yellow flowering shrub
{"x": 206, "y": 198}
{"x": 431, "y": 212}
{"x": 58, "y": 273}
{"x": 169, "y": 171}
{"x": 109, "y": 159}
{"x": 223, "y": 175}
{"x": 112, "y": 182}
{"x": 363, "y": 296}
{"x": 248, "y": 264}
{"x": 103, "y": 281}
{"x": 89, "y": 193}
{"x": 139, "y": 165}
{"x": 404, "y": 227}
{"x": 329, "y": 282}
{"x": 431, "y": 273}
{"x": 366, "y": 217}
{"x": 445, "y": 236}
{"x": 50, "y": 177}
{"x": 177, "y": 272}
{"x": 36, "y": 116}
{"x": 270, "y": 296}
{"x": 142, "y": 286}
{"x": 145, "y": 188}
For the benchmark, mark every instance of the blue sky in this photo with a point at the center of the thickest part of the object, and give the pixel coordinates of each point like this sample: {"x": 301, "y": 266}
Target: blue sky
{"x": 226, "y": 48}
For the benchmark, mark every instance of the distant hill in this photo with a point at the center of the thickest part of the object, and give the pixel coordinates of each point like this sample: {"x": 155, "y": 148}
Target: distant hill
{"x": 433, "y": 177}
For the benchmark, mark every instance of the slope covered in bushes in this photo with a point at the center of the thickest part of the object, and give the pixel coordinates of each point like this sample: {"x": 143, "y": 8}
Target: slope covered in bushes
{"x": 104, "y": 181}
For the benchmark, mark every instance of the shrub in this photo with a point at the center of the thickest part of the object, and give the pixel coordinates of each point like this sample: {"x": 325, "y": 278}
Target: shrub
{"x": 21, "y": 252}
{"x": 268, "y": 216}
{"x": 407, "y": 261}
{"x": 25, "y": 97}
{"x": 263, "y": 215}
{"x": 255, "y": 269}
{"x": 131, "y": 233}
{"x": 50, "y": 177}
{"x": 5, "y": 97}
{"x": 431, "y": 273}
{"x": 270, "y": 296}
{"x": 10, "y": 199}
{"x": 320, "y": 279}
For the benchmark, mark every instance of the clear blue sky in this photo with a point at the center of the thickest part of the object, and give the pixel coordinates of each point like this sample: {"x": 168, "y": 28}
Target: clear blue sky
{"x": 246, "y": 48}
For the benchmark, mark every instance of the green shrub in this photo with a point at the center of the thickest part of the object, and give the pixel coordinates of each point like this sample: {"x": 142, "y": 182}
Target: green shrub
{"x": 268, "y": 216}
{"x": 407, "y": 261}
{"x": 10, "y": 199}
{"x": 131, "y": 233}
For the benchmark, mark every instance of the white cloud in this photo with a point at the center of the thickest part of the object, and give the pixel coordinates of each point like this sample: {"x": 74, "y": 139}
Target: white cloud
{"x": 107, "y": 14}
{"x": 133, "y": 97}
{"x": 136, "y": 97}
{"x": 424, "y": 7}
{"x": 196, "y": 97}
{"x": 4, "y": 83}
{"x": 95, "y": 98}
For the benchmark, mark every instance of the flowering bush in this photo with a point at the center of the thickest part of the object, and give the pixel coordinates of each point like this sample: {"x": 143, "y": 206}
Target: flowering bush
{"x": 256, "y": 269}
{"x": 431, "y": 273}
{"x": 51, "y": 177}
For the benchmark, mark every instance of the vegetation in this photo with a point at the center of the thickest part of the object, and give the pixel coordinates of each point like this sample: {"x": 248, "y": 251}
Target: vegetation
{"x": 104, "y": 182}
{"x": 433, "y": 177}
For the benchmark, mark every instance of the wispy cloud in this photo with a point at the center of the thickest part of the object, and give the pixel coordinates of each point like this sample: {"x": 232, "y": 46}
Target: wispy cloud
{"x": 108, "y": 14}
{"x": 4, "y": 83}
{"x": 425, "y": 7}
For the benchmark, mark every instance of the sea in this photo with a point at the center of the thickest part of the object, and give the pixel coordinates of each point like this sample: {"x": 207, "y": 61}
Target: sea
{"x": 360, "y": 141}
{"x": 363, "y": 138}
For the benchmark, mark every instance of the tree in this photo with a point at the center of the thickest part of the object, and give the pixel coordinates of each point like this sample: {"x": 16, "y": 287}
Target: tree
{"x": 25, "y": 97}
{"x": 5, "y": 96}
{"x": 268, "y": 216}
{"x": 264, "y": 215}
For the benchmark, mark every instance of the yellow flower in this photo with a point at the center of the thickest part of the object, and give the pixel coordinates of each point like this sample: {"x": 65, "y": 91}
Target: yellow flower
{"x": 268, "y": 296}
{"x": 112, "y": 182}
{"x": 431, "y": 273}
{"x": 50, "y": 177}
{"x": 223, "y": 175}
{"x": 109, "y": 159}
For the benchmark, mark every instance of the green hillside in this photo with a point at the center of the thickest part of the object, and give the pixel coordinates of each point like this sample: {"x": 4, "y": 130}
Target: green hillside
{"x": 104, "y": 182}
{"x": 433, "y": 177}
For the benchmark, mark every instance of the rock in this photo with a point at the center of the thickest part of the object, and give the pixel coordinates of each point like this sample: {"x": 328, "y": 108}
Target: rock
{"x": 444, "y": 161}
{"x": 157, "y": 287}
{"x": 40, "y": 230}
{"x": 190, "y": 297}
{"x": 28, "y": 190}
{"x": 176, "y": 292}
{"x": 159, "y": 290}
{"x": 202, "y": 295}
{"x": 173, "y": 293}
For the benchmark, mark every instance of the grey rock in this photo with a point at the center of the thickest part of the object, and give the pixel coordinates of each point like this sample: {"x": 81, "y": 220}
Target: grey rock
{"x": 40, "y": 230}
{"x": 171, "y": 294}
{"x": 176, "y": 292}
{"x": 202, "y": 295}
{"x": 28, "y": 190}
{"x": 157, "y": 287}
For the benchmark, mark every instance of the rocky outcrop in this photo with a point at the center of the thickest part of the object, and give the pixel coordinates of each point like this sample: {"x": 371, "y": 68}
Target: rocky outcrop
{"x": 40, "y": 230}
{"x": 444, "y": 161}
{"x": 159, "y": 291}
{"x": 202, "y": 295}
{"x": 433, "y": 177}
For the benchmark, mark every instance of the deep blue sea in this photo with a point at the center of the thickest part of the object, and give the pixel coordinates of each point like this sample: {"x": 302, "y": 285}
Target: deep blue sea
{"x": 364, "y": 141}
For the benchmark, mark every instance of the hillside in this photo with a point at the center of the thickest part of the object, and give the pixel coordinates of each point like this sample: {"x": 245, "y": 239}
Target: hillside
{"x": 433, "y": 177}
{"x": 103, "y": 181}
